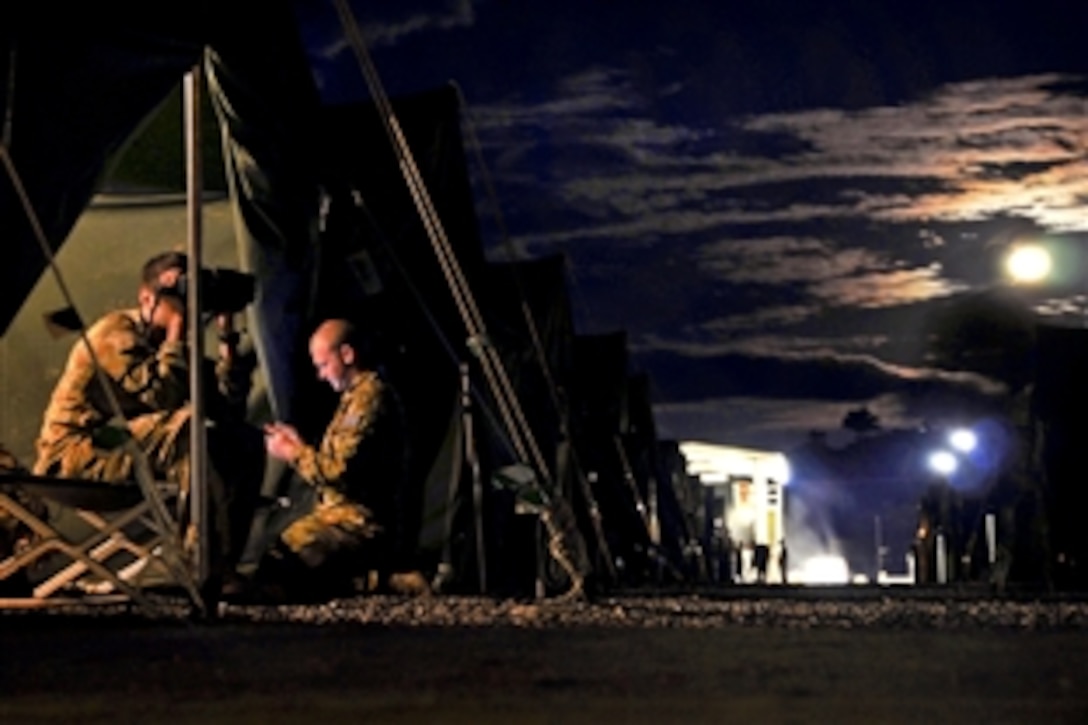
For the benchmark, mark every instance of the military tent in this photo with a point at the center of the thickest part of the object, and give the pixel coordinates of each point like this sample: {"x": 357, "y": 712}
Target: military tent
{"x": 321, "y": 213}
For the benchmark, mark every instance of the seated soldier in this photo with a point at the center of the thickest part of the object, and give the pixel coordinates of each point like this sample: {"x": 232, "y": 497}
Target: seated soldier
{"x": 136, "y": 359}
{"x": 339, "y": 528}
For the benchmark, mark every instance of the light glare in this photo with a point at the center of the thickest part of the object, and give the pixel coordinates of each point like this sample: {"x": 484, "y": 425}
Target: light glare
{"x": 943, "y": 462}
{"x": 1028, "y": 263}
{"x": 963, "y": 440}
{"x": 822, "y": 569}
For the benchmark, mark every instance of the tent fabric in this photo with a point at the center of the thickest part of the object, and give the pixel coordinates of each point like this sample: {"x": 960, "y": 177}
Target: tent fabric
{"x": 79, "y": 86}
{"x": 1059, "y": 400}
{"x": 322, "y": 216}
{"x": 678, "y": 506}
{"x": 74, "y": 92}
{"x": 374, "y": 263}
{"x": 530, "y": 322}
{"x": 600, "y": 390}
{"x": 533, "y": 292}
{"x": 599, "y": 385}
{"x": 508, "y": 292}
{"x": 267, "y": 104}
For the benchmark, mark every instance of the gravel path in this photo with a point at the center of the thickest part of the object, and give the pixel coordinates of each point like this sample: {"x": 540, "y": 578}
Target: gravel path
{"x": 686, "y": 612}
{"x": 644, "y": 657}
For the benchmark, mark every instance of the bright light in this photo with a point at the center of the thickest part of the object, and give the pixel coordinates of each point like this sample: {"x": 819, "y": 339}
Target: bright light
{"x": 963, "y": 440}
{"x": 943, "y": 462}
{"x": 717, "y": 464}
{"x": 1028, "y": 263}
{"x": 822, "y": 569}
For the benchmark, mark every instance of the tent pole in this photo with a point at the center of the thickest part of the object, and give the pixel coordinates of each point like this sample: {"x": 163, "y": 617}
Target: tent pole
{"x": 198, "y": 482}
{"x": 520, "y": 433}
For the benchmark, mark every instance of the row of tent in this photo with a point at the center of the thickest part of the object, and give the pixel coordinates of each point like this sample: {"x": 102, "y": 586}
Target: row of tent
{"x": 324, "y": 220}
{"x": 589, "y": 412}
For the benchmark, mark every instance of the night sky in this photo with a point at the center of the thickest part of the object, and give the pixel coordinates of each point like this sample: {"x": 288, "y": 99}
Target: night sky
{"x": 777, "y": 200}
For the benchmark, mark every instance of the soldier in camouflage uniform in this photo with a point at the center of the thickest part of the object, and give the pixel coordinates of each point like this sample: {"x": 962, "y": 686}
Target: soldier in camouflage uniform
{"x": 141, "y": 354}
{"x": 355, "y": 472}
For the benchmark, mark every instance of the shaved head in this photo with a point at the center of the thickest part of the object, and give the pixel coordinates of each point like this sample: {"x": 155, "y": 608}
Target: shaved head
{"x": 333, "y": 333}
{"x": 333, "y": 353}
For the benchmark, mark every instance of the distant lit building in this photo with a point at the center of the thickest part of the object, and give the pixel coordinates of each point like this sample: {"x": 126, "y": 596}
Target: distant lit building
{"x": 745, "y": 490}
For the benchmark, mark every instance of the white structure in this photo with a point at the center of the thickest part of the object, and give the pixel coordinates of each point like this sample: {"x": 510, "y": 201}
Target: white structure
{"x": 748, "y": 485}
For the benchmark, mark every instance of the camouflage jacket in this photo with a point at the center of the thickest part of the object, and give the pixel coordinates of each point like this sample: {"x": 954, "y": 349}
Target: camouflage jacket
{"x": 360, "y": 455}
{"x": 143, "y": 379}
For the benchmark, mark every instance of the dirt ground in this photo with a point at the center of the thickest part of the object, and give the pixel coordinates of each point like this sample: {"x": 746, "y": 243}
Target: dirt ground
{"x": 636, "y": 659}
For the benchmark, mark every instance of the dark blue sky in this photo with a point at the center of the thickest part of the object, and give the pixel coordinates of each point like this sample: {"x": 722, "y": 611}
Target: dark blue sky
{"x": 774, "y": 199}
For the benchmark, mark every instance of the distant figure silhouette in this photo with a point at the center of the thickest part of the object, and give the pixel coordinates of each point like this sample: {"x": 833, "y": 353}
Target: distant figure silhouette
{"x": 761, "y": 558}
{"x": 783, "y": 561}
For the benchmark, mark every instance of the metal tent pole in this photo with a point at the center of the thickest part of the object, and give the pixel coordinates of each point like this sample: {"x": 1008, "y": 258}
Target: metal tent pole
{"x": 198, "y": 481}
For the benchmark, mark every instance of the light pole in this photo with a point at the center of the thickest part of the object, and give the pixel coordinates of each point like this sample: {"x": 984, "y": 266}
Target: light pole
{"x": 944, "y": 463}
{"x": 948, "y": 542}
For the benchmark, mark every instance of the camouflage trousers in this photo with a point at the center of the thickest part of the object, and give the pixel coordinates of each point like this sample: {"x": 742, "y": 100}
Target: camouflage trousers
{"x": 164, "y": 438}
{"x": 334, "y": 524}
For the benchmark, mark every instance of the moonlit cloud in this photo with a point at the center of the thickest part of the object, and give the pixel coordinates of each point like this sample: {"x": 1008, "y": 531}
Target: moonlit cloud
{"x": 787, "y": 245}
{"x": 766, "y": 317}
{"x": 760, "y": 422}
{"x": 394, "y": 28}
{"x": 769, "y": 423}
{"x": 964, "y": 135}
{"x": 775, "y": 260}
{"x": 774, "y": 345}
{"x": 840, "y": 278}
{"x": 886, "y": 289}
{"x": 457, "y": 14}
{"x": 869, "y": 363}
{"x": 968, "y": 152}
{"x": 1001, "y": 146}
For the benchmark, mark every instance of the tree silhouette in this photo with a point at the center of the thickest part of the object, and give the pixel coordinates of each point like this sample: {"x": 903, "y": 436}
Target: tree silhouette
{"x": 861, "y": 421}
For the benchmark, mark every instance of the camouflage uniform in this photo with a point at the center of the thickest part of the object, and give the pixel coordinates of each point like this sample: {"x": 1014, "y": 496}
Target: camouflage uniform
{"x": 79, "y": 437}
{"x": 150, "y": 384}
{"x": 355, "y": 470}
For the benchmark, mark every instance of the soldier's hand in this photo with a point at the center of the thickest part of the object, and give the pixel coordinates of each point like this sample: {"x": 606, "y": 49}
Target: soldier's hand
{"x": 282, "y": 441}
{"x": 172, "y": 318}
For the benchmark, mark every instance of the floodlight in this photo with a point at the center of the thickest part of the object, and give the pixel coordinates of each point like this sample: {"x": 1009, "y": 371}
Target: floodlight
{"x": 963, "y": 440}
{"x": 943, "y": 462}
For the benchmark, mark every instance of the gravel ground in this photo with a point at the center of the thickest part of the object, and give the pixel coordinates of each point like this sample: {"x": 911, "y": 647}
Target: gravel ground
{"x": 665, "y": 611}
{"x": 788, "y": 656}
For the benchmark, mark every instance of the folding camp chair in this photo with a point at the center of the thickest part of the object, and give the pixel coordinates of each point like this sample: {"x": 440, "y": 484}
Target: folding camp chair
{"x": 124, "y": 542}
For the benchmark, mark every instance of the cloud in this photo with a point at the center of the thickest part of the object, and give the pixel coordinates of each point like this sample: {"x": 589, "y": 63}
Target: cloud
{"x": 888, "y": 288}
{"x": 906, "y": 199}
{"x": 692, "y": 371}
{"x": 764, "y": 318}
{"x": 852, "y": 277}
{"x": 968, "y": 152}
{"x": 967, "y": 135}
{"x": 390, "y": 31}
{"x": 771, "y": 345}
{"x": 774, "y": 424}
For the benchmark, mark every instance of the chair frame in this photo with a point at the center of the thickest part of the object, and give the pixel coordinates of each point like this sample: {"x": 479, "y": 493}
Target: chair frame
{"x": 108, "y": 508}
